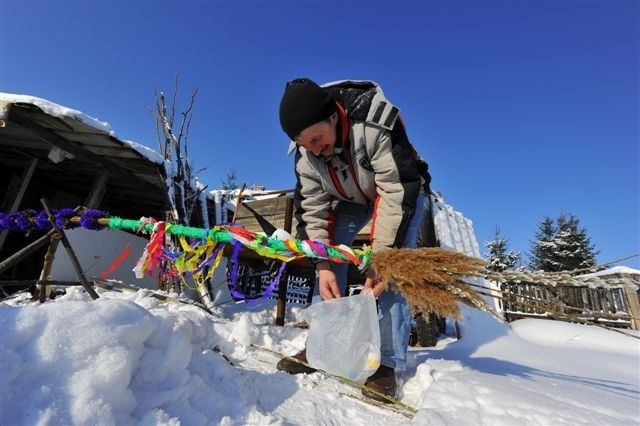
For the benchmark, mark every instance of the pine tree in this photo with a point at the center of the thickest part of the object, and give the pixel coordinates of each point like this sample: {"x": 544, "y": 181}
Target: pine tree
{"x": 542, "y": 249}
{"x": 562, "y": 246}
{"x": 573, "y": 247}
{"x": 498, "y": 258}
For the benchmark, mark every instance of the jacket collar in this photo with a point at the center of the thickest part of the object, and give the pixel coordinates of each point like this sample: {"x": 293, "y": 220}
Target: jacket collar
{"x": 342, "y": 130}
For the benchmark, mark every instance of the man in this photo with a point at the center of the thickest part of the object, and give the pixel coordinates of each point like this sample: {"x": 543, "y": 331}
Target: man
{"x": 354, "y": 162}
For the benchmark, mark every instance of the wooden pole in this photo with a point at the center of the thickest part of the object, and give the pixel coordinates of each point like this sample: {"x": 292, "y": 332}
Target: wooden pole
{"x": 29, "y": 283}
{"x": 26, "y": 178}
{"x": 72, "y": 255}
{"x": 238, "y": 202}
{"x": 43, "y": 283}
{"x": 17, "y": 256}
{"x": 98, "y": 190}
{"x": 282, "y": 285}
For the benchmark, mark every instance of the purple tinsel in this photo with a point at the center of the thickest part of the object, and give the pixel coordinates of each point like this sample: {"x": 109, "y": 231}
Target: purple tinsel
{"x": 13, "y": 217}
{"x": 23, "y": 220}
{"x": 4, "y": 220}
{"x": 30, "y": 219}
{"x": 63, "y": 216}
{"x": 42, "y": 221}
{"x": 89, "y": 219}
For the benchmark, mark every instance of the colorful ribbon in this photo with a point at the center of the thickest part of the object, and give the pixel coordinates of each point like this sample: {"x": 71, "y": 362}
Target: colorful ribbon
{"x": 190, "y": 259}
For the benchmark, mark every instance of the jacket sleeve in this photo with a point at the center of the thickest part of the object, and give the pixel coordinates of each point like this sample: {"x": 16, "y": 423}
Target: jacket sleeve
{"x": 312, "y": 204}
{"x": 398, "y": 182}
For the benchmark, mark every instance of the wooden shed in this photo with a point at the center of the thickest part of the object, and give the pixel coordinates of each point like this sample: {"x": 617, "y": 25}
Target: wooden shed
{"x": 71, "y": 159}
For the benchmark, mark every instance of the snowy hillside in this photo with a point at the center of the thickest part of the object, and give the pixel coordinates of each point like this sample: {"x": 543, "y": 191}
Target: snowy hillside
{"x": 129, "y": 359}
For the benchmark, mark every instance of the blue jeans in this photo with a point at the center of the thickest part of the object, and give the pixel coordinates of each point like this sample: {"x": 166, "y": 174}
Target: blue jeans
{"x": 395, "y": 316}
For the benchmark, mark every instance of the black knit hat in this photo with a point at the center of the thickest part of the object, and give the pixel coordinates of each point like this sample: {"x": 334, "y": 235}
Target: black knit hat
{"x": 304, "y": 104}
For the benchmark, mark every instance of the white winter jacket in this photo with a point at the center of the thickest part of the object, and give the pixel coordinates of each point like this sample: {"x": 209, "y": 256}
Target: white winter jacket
{"x": 373, "y": 163}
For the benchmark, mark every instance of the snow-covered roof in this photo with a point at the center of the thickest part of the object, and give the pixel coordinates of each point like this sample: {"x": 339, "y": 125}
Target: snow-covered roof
{"x": 615, "y": 270}
{"x": 73, "y": 148}
{"x": 55, "y": 110}
{"x": 51, "y": 109}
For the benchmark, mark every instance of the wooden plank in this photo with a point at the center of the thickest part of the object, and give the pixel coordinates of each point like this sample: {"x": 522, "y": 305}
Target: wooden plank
{"x": 112, "y": 151}
{"x": 272, "y": 209}
{"x": 96, "y": 138}
{"x": 633, "y": 304}
{"x": 20, "y": 143}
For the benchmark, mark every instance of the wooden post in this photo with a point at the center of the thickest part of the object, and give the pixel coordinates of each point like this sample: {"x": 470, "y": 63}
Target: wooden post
{"x": 630, "y": 293}
{"x": 72, "y": 255}
{"x": 26, "y": 178}
{"x": 44, "y": 288}
{"x": 282, "y": 285}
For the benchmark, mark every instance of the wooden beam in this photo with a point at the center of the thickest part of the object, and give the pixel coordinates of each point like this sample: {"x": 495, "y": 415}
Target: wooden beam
{"x": 44, "y": 289}
{"x": 238, "y": 203}
{"x": 97, "y": 191}
{"x": 282, "y": 285}
{"x": 19, "y": 255}
{"x": 26, "y": 179}
{"x": 29, "y": 283}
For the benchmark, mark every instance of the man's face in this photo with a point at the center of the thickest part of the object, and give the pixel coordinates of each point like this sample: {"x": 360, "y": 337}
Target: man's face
{"x": 319, "y": 138}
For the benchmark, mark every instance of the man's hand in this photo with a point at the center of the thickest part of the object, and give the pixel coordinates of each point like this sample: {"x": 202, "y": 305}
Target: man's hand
{"x": 327, "y": 282}
{"x": 374, "y": 284}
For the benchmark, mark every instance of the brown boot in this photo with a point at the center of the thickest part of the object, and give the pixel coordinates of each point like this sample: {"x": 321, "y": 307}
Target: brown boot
{"x": 296, "y": 364}
{"x": 382, "y": 381}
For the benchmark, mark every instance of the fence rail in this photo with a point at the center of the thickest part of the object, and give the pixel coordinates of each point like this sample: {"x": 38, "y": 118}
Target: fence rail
{"x": 612, "y": 306}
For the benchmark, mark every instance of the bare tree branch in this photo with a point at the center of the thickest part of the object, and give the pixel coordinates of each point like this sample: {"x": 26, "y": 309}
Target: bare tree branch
{"x": 186, "y": 118}
{"x": 173, "y": 101}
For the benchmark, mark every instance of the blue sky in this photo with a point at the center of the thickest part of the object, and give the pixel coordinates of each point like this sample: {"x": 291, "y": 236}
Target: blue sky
{"x": 523, "y": 109}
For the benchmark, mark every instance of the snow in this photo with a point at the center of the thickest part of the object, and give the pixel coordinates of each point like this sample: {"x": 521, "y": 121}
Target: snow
{"x": 614, "y": 270}
{"x": 53, "y": 109}
{"x": 60, "y": 111}
{"x": 146, "y": 152}
{"x": 128, "y": 358}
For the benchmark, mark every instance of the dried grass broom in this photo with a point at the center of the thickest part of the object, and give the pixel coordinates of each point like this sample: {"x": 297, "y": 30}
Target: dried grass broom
{"x": 430, "y": 279}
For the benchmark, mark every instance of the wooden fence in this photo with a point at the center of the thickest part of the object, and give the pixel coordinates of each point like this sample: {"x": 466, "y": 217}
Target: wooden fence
{"x": 615, "y": 306}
